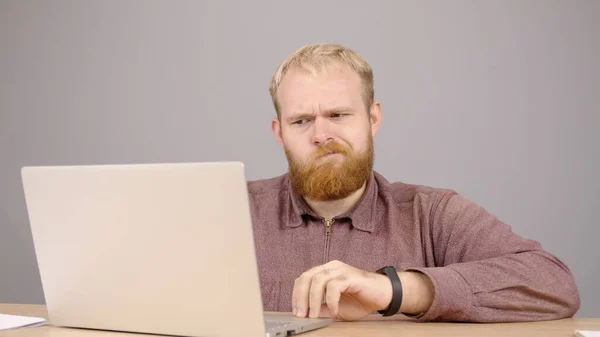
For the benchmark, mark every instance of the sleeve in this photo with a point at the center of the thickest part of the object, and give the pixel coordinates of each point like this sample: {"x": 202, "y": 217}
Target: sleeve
{"x": 486, "y": 273}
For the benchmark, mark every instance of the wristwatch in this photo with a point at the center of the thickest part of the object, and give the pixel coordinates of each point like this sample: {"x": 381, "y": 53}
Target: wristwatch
{"x": 394, "y": 306}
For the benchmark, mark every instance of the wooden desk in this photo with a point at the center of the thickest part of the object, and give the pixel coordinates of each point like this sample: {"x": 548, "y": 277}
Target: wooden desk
{"x": 370, "y": 327}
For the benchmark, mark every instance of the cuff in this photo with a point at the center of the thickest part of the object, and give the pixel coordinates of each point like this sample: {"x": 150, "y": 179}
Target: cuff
{"x": 453, "y": 299}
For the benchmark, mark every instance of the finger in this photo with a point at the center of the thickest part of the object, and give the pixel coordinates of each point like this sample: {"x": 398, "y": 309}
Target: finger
{"x": 299, "y": 306}
{"x": 335, "y": 288}
{"x": 300, "y": 294}
{"x": 325, "y": 312}
{"x": 317, "y": 289}
{"x": 301, "y": 290}
{"x": 294, "y": 304}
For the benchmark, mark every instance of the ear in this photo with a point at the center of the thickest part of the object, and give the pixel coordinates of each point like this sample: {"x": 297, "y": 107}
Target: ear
{"x": 375, "y": 117}
{"x": 276, "y": 128}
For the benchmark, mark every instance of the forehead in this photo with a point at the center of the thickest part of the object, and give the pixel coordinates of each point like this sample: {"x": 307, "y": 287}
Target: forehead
{"x": 337, "y": 85}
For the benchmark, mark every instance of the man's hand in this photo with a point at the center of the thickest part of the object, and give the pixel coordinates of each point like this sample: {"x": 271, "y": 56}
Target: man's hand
{"x": 351, "y": 293}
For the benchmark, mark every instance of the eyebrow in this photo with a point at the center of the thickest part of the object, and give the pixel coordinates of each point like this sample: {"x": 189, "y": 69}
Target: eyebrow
{"x": 337, "y": 110}
{"x": 301, "y": 115}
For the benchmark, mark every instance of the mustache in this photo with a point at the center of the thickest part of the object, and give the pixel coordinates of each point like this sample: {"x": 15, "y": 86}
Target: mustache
{"x": 330, "y": 148}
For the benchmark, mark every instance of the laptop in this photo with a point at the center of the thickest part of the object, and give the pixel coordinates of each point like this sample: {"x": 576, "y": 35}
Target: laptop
{"x": 150, "y": 248}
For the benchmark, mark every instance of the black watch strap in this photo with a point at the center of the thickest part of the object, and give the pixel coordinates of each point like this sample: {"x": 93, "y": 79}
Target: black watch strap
{"x": 394, "y": 306}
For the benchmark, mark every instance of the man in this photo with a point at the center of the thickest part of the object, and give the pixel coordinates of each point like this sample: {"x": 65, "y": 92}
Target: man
{"x": 326, "y": 228}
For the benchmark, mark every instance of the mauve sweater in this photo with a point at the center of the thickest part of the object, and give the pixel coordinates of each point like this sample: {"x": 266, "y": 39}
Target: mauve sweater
{"x": 480, "y": 269}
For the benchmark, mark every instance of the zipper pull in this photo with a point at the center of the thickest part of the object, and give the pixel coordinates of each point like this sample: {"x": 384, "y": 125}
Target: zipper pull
{"x": 328, "y": 223}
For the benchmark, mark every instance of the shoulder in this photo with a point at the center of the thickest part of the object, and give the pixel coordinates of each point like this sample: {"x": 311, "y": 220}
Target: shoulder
{"x": 268, "y": 186}
{"x": 269, "y": 200}
{"x": 413, "y": 195}
{"x": 442, "y": 205}
{"x": 403, "y": 192}
{"x": 269, "y": 193}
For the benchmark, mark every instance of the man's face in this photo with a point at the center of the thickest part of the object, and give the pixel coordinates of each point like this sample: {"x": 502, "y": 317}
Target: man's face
{"x": 326, "y": 132}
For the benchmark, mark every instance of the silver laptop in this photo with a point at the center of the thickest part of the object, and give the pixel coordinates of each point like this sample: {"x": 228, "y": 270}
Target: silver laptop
{"x": 151, "y": 248}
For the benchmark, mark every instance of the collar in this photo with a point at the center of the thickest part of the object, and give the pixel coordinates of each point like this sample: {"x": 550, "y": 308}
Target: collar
{"x": 361, "y": 216}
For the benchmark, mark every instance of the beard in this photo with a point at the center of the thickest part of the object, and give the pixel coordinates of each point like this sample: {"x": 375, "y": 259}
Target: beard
{"x": 328, "y": 179}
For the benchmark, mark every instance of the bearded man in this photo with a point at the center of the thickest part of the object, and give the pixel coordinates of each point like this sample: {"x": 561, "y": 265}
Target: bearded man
{"x": 335, "y": 238}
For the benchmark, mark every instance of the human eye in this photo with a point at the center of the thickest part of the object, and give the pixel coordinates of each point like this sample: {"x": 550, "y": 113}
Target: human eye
{"x": 337, "y": 115}
{"x": 300, "y": 121}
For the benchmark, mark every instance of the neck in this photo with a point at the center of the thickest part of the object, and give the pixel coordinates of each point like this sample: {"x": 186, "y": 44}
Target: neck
{"x": 331, "y": 209}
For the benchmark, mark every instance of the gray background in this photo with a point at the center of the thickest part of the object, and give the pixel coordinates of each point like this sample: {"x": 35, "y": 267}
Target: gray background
{"x": 498, "y": 100}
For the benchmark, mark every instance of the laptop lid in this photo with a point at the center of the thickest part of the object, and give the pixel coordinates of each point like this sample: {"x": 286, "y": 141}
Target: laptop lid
{"x": 154, "y": 248}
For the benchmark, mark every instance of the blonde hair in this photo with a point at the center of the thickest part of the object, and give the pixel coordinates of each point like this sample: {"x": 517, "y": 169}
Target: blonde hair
{"x": 315, "y": 58}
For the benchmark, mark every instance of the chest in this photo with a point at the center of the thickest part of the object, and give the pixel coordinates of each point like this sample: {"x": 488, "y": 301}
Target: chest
{"x": 285, "y": 253}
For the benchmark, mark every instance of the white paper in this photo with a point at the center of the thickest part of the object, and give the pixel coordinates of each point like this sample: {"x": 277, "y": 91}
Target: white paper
{"x": 587, "y": 333}
{"x": 13, "y": 321}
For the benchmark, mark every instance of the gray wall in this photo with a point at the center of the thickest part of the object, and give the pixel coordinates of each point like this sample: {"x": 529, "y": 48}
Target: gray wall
{"x": 498, "y": 100}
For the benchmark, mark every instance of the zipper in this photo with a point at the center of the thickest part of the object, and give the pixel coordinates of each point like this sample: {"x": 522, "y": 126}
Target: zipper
{"x": 328, "y": 223}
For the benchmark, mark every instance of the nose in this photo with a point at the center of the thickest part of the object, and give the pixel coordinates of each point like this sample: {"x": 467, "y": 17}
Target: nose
{"x": 322, "y": 135}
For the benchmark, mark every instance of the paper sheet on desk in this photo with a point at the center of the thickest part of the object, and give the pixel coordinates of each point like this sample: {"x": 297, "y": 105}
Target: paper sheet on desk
{"x": 587, "y": 333}
{"x": 13, "y": 321}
